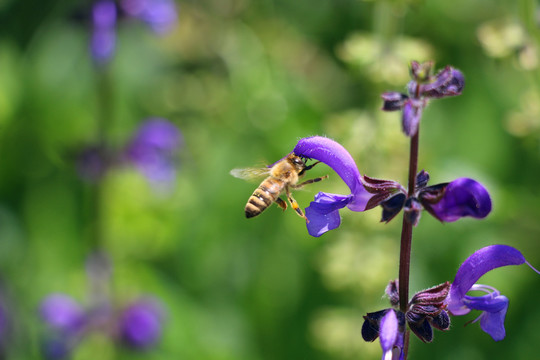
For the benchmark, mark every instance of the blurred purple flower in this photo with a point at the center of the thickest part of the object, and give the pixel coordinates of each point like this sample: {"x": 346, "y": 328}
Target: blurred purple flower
{"x": 137, "y": 325}
{"x": 153, "y": 149}
{"x": 323, "y": 213}
{"x": 424, "y": 86}
{"x": 160, "y": 15}
{"x": 140, "y": 323}
{"x": 103, "y": 40}
{"x": 62, "y": 313}
{"x": 493, "y": 305}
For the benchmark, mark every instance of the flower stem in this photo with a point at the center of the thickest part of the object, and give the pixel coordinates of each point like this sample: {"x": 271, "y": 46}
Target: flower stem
{"x": 406, "y": 239}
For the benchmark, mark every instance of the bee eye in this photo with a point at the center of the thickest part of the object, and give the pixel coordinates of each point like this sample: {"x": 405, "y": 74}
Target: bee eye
{"x": 298, "y": 161}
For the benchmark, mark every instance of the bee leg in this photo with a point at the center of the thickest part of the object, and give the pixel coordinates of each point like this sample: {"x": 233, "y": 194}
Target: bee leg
{"x": 308, "y": 168}
{"x": 310, "y": 181}
{"x": 295, "y": 205}
{"x": 281, "y": 203}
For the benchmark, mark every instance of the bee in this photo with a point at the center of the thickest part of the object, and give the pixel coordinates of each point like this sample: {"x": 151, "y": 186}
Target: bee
{"x": 280, "y": 177}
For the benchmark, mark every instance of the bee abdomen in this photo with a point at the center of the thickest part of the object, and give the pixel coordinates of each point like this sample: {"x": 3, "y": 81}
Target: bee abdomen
{"x": 262, "y": 197}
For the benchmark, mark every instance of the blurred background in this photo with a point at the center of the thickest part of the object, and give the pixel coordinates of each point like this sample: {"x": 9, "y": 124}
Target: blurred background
{"x": 120, "y": 122}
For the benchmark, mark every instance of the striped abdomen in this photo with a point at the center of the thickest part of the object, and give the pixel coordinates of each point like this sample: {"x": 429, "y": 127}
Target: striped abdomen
{"x": 264, "y": 196}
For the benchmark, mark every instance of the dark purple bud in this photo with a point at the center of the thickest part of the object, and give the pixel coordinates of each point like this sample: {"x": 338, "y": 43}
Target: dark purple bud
{"x": 370, "y": 328}
{"x": 431, "y": 195}
{"x": 462, "y": 197}
{"x": 448, "y": 82}
{"x": 413, "y": 210}
{"x": 382, "y": 190}
{"x": 63, "y": 313}
{"x": 422, "y": 329}
{"x": 392, "y": 207}
{"x": 422, "y": 310}
{"x": 411, "y": 117}
{"x": 421, "y": 72}
{"x": 392, "y": 291}
{"x": 393, "y": 101}
{"x": 141, "y": 323}
{"x": 441, "y": 321}
{"x": 433, "y": 296}
{"x": 422, "y": 178}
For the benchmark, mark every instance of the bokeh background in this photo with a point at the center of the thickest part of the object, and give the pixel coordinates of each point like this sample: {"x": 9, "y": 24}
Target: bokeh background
{"x": 242, "y": 81}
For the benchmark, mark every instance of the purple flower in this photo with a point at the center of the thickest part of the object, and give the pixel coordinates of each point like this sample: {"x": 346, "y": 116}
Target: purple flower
{"x": 153, "y": 149}
{"x": 447, "y": 202}
{"x": 323, "y": 213}
{"x": 140, "y": 323}
{"x": 424, "y": 86}
{"x": 389, "y": 326}
{"x": 493, "y": 305}
{"x": 160, "y": 15}
{"x": 462, "y": 197}
{"x": 62, "y": 313}
{"x": 102, "y": 43}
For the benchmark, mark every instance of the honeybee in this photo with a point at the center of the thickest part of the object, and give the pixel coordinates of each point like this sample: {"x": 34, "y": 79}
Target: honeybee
{"x": 281, "y": 177}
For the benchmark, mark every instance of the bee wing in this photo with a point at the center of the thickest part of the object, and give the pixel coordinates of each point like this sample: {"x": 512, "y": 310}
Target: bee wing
{"x": 250, "y": 173}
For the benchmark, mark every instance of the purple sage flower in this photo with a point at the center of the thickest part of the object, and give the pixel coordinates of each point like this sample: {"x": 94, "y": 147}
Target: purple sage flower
{"x": 447, "y": 202}
{"x": 423, "y": 86}
{"x": 493, "y": 305}
{"x": 462, "y": 197}
{"x": 160, "y": 15}
{"x": 323, "y": 213}
{"x": 103, "y": 40}
{"x": 153, "y": 149}
{"x": 140, "y": 323}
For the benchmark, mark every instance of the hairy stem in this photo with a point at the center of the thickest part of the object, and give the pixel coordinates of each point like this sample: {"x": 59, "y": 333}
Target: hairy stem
{"x": 406, "y": 240}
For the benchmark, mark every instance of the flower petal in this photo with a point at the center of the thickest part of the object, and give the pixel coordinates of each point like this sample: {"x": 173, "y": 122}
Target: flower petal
{"x": 388, "y": 332}
{"x": 323, "y": 213}
{"x": 476, "y": 265}
{"x": 411, "y": 118}
{"x": 493, "y": 323}
{"x": 334, "y": 155}
{"x": 462, "y": 197}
